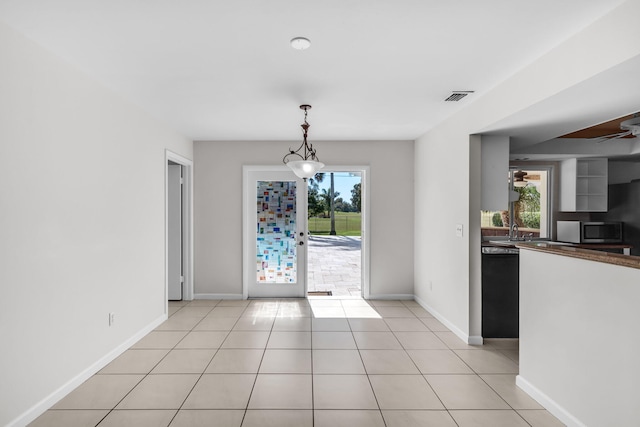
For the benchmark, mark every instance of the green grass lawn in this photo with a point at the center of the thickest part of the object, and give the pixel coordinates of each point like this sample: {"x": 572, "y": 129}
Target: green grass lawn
{"x": 347, "y": 224}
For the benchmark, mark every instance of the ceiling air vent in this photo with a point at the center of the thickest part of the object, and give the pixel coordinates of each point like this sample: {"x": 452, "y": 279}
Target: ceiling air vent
{"x": 458, "y": 95}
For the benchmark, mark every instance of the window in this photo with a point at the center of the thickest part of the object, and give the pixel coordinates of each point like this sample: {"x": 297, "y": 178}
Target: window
{"x": 529, "y": 205}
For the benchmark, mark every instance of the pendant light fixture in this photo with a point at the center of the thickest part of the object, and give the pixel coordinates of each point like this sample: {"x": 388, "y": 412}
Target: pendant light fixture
{"x": 303, "y": 161}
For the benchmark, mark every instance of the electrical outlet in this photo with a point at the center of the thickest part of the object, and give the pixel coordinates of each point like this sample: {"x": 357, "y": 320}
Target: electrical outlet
{"x": 112, "y": 318}
{"x": 459, "y": 230}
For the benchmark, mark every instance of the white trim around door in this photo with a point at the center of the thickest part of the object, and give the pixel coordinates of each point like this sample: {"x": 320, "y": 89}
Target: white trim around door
{"x": 366, "y": 230}
{"x": 187, "y": 224}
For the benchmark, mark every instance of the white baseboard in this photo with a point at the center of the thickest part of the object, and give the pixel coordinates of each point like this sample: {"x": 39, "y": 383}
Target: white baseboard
{"x": 373, "y": 296}
{"x": 391, "y": 296}
{"x": 217, "y": 296}
{"x": 471, "y": 340}
{"x": 549, "y": 404}
{"x": 39, "y": 408}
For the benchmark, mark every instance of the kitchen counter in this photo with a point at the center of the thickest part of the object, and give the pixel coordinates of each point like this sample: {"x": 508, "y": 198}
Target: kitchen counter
{"x": 578, "y": 321}
{"x": 626, "y": 249}
{"x": 575, "y": 251}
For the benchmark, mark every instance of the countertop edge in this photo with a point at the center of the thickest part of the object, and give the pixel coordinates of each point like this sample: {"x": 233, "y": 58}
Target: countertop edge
{"x": 630, "y": 261}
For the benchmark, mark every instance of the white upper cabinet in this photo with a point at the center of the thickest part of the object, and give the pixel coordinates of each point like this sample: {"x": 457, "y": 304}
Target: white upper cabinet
{"x": 584, "y": 185}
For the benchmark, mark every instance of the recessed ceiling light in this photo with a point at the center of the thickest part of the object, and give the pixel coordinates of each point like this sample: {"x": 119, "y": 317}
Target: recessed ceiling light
{"x": 300, "y": 43}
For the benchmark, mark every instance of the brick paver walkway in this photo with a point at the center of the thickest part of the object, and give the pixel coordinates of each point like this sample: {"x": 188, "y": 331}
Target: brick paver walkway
{"x": 334, "y": 264}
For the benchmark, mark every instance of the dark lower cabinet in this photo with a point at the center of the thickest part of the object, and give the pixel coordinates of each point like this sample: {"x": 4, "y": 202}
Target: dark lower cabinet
{"x": 500, "y": 295}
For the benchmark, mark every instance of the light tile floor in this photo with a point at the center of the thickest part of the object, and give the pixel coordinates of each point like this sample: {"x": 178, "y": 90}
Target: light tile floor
{"x": 303, "y": 363}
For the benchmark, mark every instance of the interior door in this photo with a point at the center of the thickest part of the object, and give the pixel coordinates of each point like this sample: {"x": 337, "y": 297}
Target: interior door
{"x": 275, "y": 234}
{"x": 174, "y": 231}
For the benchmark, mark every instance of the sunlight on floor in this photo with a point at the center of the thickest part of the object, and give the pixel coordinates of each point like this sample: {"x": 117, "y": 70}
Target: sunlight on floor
{"x": 338, "y": 308}
{"x": 318, "y": 307}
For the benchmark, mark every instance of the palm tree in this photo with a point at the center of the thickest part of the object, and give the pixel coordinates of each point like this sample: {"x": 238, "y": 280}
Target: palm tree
{"x": 318, "y": 178}
{"x": 326, "y": 199}
{"x": 330, "y": 198}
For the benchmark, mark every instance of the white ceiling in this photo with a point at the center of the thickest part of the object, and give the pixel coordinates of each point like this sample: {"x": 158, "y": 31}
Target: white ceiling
{"x": 608, "y": 95}
{"x": 224, "y": 70}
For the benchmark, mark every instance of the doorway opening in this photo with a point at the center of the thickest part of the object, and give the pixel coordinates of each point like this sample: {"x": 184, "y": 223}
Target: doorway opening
{"x": 335, "y": 226}
{"x": 271, "y": 232}
{"x": 178, "y": 230}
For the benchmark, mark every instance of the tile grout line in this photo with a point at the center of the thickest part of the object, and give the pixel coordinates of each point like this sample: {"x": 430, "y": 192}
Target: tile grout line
{"x": 458, "y": 356}
{"x": 181, "y": 311}
{"x": 423, "y": 375}
{"x": 505, "y": 401}
{"x": 149, "y": 373}
{"x": 204, "y": 370}
{"x": 264, "y": 352}
{"x": 476, "y": 374}
{"x": 384, "y": 421}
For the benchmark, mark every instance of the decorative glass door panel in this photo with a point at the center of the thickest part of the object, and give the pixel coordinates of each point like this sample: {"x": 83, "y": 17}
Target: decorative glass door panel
{"x": 276, "y": 245}
{"x": 275, "y": 234}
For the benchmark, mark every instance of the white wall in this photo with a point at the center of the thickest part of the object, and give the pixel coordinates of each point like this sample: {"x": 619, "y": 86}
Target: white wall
{"x": 82, "y": 211}
{"x": 218, "y": 208}
{"x": 442, "y": 202}
{"x": 578, "y": 351}
{"x": 447, "y": 276}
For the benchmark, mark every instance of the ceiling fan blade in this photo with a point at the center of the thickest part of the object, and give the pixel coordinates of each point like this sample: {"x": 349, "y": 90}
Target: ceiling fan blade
{"x": 611, "y": 137}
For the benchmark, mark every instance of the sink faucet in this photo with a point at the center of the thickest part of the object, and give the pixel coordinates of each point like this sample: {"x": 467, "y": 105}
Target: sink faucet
{"x": 514, "y": 232}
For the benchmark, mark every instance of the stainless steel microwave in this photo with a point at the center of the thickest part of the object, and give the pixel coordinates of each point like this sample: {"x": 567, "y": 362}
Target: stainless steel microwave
{"x": 589, "y": 232}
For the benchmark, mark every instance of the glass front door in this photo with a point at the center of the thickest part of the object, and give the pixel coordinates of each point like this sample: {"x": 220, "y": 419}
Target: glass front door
{"x": 275, "y": 234}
